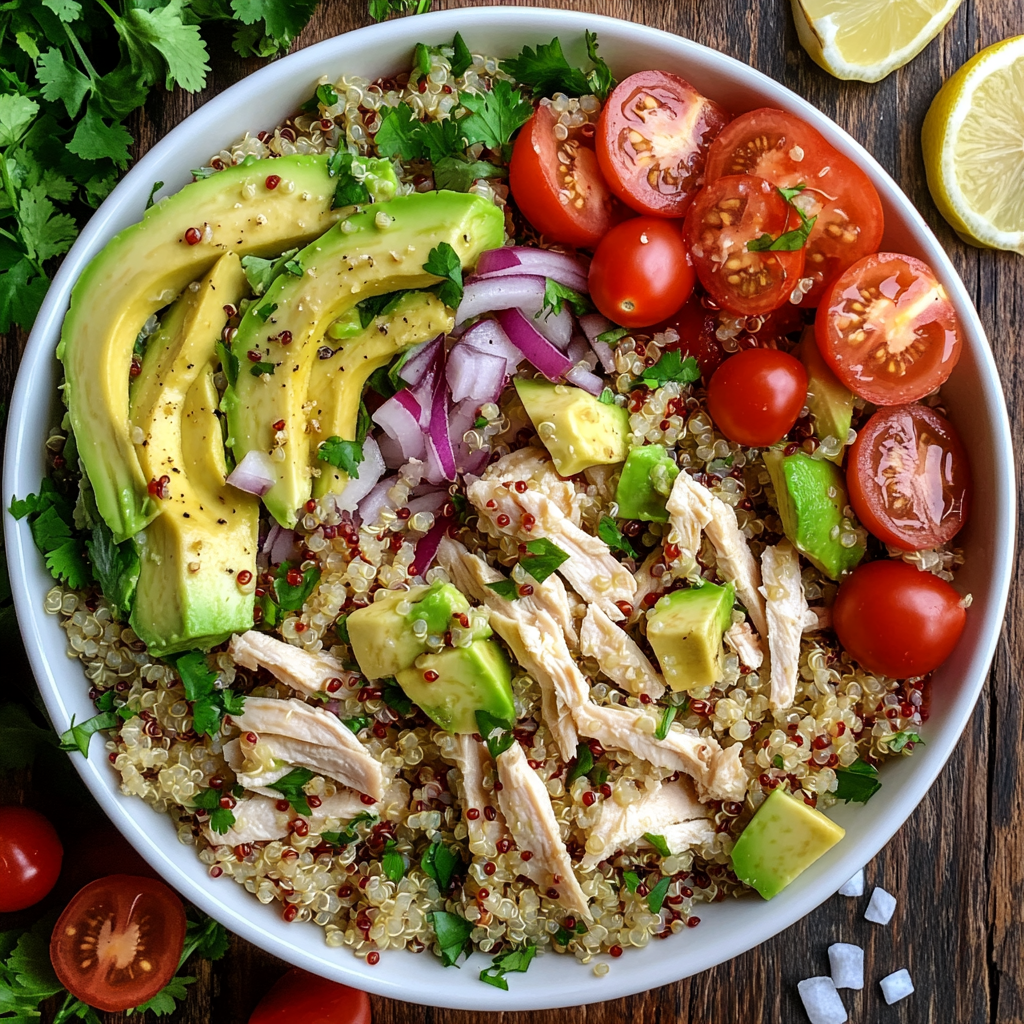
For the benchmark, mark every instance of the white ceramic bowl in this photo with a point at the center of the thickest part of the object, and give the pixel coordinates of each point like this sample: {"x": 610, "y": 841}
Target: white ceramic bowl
{"x": 974, "y": 397}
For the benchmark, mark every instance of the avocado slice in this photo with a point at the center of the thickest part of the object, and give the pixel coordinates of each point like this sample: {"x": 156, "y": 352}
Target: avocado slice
{"x": 830, "y": 402}
{"x": 336, "y": 384}
{"x": 784, "y": 838}
{"x": 143, "y": 268}
{"x": 386, "y": 637}
{"x": 685, "y": 629}
{"x": 190, "y": 555}
{"x": 578, "y": 430}
{"x": 468, "y": 680}
{"x": 645, "y": 484}
{"x": 373, "y": 251}
{"x": 811, "y": 495}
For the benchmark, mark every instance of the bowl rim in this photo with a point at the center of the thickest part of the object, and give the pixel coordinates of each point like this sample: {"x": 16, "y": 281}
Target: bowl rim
{"x": 38, "y": 364}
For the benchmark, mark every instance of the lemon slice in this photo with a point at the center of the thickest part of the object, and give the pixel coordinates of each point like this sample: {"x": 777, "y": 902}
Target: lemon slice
{"x": 867, "y": 39}
{"x": 973, "y": 142}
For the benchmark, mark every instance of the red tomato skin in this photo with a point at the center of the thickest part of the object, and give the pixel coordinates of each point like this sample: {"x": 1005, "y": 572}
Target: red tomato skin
{"x": 696, "y": 326}
{"x": 643, "y": 264}
{"x": 755, "y": 396}
{"x": 299, "y": 997}
{"x": 125, "y": 898}
{"x": 896, "y": 620}
{"x": 617, "y": 156}
{"x": 30, "y": 857}
{"x": 536, "y": 184}
{"x": 908, "y": 280}
{"x": 950, "y": 470}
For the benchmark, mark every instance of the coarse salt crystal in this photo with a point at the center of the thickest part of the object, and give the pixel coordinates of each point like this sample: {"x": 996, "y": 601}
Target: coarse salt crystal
{"x": 897, "y": 986}
{"x": 847, "y": 962}
{"x": 881, "y": 907}
{"x": 855, "y": 886}
{"x": 821, "y": 1001}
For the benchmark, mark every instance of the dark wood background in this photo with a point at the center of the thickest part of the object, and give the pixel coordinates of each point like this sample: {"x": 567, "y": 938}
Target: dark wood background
{"x": 957, "y": 866}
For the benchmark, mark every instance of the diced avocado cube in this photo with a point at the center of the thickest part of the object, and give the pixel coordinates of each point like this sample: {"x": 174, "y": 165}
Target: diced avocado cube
{"x": 385, "y": 636}
{"x": 811, "y": 495}
{"x": 645, "y": 484}
{"x": 829, "y": 402}
{"x": 578, "y": 430}
{"x": 685, "y": 629}
{"x": 784, "y": 838}
{"x": 451, "y": 687}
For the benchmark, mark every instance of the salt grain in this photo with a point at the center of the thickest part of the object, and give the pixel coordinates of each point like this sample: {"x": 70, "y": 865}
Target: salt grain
{"x": 821, "y": 1001}
{"x": 847, "y": 962}
{"x": 881, "y": 907}
{"x": 897, "y": 986}
{"x": 855, "y": 886}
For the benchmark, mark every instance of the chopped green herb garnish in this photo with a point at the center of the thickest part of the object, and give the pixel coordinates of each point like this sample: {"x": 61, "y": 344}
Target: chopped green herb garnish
{"x": 506, "y": 589}
{"x": 443, "y": 261}
{"x": 857, "y": 783}
{"x": 393, "y": 862}
{"x": 395, "y": 698}
{"x": 495, "y": 116}
{"x": 358, "y": 723}
{"x": 545, "y": 71}
{"x": 901, "y": 739}
{"x": 115, "y": 566}
{"x": 556, "y": 295}
{"x": 221, "y": 818}
{"x": 229, "y": 363}
{"x": 789, "y": 241}
{"x": 262, "y": 273}
{"x": 290, "y": 787}
{"x": 613, "y": 336}
{"x": 543, "y": 558}
{"x": 343, "y": 455}
{"x": 267, "y": 311}
{"x": 777, "y": 761}
{"x": 157, "y": 185}
{"x": 378, "y": 305}
{"x": 516, "y": 961}
{"x": 462, "y": 58}
{"x": 671, "y": 367}
{"x": 632, "y": 880}
{"x": 607, "y": 397}
{"x": 325, "y": 95}
{"x": 78, "y": 736}
{"x": 480, "y": 422}
{"x": 452, "y": 933}
{"x": 608, "y": 531}
{"x": 497, "y": 732}
{"x": 292, "y": 596}
{"x": 52, "y": 521}
{"x": 658, "y": 842}
{"x": 667, "y": 717}
{"x": 209, "y": 704}
{"x": 656, "y": 897}
{"x": 583, "y": 764}
{"x": 349, "y": 835}
{"x": 440, "y": 864}
{"x": 457, "y": 174}
{"x": 258, "y": 369}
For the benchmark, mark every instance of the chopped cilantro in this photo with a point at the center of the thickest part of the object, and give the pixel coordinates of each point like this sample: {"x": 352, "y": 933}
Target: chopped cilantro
{"x": 462, "y": 58}
{"x": 395, "y": 698}
{"x": 545, "y": 71}
{"x": 258, "y": 369}
{"x": 229, "y": 363}
{"x": 358, "y": 723}
{"x": 789, "y": 241}
{"x": 291, "y": 597}
{"x": 267, "y": 311}
{"x": 221, "y": 818}
{"x": 343, "y": 455}
{"x": 349, "y": 835}
{"x": 457, "y": 174}
{"x": 380, "y": 9}
{"x": 51, "y": 520}
{"x": 495, "y": 116}
{"x": 607, "y": 397}
{"x": 543, "y": 558}
{"x": 262, "y": 273}
{"x": 209, "y": 704}
{"x": 583, "y": 764}
{"x": 378, "y": 305}
{"x": 78, "y": 736}
{"x": 658, "y": 842}
{"x": 443, "y": 261}
{"x": 632, "y": 880}
{"x": 564, "y": 936}
{"x": 497, "y": 732}
{"x": 608, "y": 531}
{"x": 480, "y": 422}
{"x": 556, "y": 295}
{"x": 517, "y": 960}
{"x": 157, "y": 185}
{"x": 452, "y": 933}
{"x": 656, "y": 897}
{"x": 670, "y": 367}
{"x": 440, "y": 864}
{"x": 393, "y": 862}
{"x": 777, "y": 761}
{"x": 115, "y": 566}
{"x": 667, "y": 717}
{"x": 325, "y": 95}
{"x": 901, "y": 739}
{"x": 613, "y": 336}
{"x": 857, "y": 782}
{"x": 506, "y": 589}
{"x": 290, "y": 787}
{"x": 399, "y": 134}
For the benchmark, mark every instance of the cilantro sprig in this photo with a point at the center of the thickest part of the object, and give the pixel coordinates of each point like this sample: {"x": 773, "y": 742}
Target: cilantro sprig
{"x": 857, "y": 782}
{"x": 209, "y": 704}
{"x": 546, "y": 71}
{"x": 443, "y": 261}
{"x": 51, "y": 520}
{"x": 290, "y": 787}
{"x": 343, "y": 455}
{"x": 517, "y": 960}
{"x": 452, "y": 933}
{"x": 558, "y": 295}
{"x": 608, "y": 531}
{"x": 221, "y": 818}
{"x": 788, "y": 241}
{"x": 671, "y": 367}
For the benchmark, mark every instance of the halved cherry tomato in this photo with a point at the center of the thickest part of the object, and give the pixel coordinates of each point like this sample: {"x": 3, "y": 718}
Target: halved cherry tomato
{"x": 652, "y": 140}
{"x": 888, "y": 329}
{"x": 30, "y": 857}
{"x": 558, "y": 186}
{"x": 723, "y": 219}
{"x": 299, "y": 996}
{"x": 696, "y": 326}
{"x": 641, "y": 272}
{"x": 909, "y": 478}
{"x": 118, "y": 941}
{"x": 789, "y": 152}
{"x": 896, "y": 620}
{"x": 755, "y": 396}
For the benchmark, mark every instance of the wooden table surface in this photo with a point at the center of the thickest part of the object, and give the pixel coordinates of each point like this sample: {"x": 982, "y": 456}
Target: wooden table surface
{"x": 957, "y": 866}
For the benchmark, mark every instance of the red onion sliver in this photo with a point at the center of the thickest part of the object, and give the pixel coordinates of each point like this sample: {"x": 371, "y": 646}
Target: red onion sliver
{"x": 423, "y": 358}
{"x": 487, "y": 336}
{"x": 432, "y": 502}
{"x": 594, "y": 324}
{"x": 568, "y": 270}
{"x": 486, "y": 296}
{"x": 370, "y": 507}
{"x": 583, "y": 378}
{"x": 371, "y": 469}
{"x": 474, "y": 374}
{"x": 439, "y": 442}
{"x": 556, "y": 327}
{"x": 579, "y": 351}
{"x": 537, "y": 349}
{"x": 255, "y": 474}
{"x": 427, "y": 545}
{"x": 400, "y": 418}
{"x": 391, "y": 451}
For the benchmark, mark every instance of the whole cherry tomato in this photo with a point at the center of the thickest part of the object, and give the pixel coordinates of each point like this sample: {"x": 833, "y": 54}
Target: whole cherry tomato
{"x": 303, "y": 998}
{"x": 30, "y": 857}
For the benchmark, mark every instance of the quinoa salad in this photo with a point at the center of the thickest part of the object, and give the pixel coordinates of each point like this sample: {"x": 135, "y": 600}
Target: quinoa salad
{"x": 510, "y": 516}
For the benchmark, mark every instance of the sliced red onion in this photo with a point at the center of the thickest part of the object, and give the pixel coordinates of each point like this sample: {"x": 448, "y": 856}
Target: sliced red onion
{"x": 439, "y": 442}
{"x": 427, "y": 545}
{"x": 432, "y": 471}
{"x": 475, "y": 374}
{"x": 477, "y": 462}
{"x": 371, "y": 469}
{"x": 423, "y": 392}
{"x": 401, "y": 418}
{"x": 461, "y": 420}
{"x": 391, "y": 451}
{"x": 421, "y": 359}
{"x": 556, "y": 327}
{"x": 537, "y": 349}
{"x": 583, "y": 378}
{"x": 486, "y": 296}
{"x": 487, "y": 336}
{"x": 432, "y": 502}
{"x": 281, "y": 546}
{"x": 255, "y": 474}
{"x": 579, "y": 350}
{"x": 370, "y": 507}
{"x": 568, "y": 270}
{"x": 594, "y": 324}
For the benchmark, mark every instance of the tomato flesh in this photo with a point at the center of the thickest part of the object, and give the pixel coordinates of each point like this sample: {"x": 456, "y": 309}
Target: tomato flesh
{"x": 789, "y": 152}
{"x": 30, "y": 857}
{"x": 652, "y": 141}
{"x": 299, "y": 996}
{"x": 909, "y": 478}
{"x": 724, "y": 218}
{"x": 888, "y": 330}
{"x": 641, "y": 272}
{"x": 755, "y": 396}
{"x": 558, "y": 186}
{"x": 896, "y": 620}
{"x": 118, "y": 941}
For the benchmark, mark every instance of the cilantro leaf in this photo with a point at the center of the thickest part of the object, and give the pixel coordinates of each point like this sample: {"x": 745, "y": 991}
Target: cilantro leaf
{"x": 462, "y": 59}
{"x": 440, "y": 139}
{"x": 399, "y": 135}
{"x": 94, "y": 139}
{"x": 21, "y": 294}
{"x": 495, "y": 116}
{"x": 395, "y": 698}
{"x": 443, "y": 261}
{"x": 452, "y": 933}
{"x": 658, "y": 842}
{"x": 261, "y": 273}
{"x": 545, "y": 71}
{"x": 45, "y": 232}
{"x": 583, "y": 764}
{"x": 670, "y": 367}
{"x": 556, "y": 295}
{"x": 789, "y": 241}
{"x": 16, "y": 114}
{"x": 62, "y": 81}
{"x": 209, "y": 704}
{"x": 343, "y": 455}
{"x": 291, "y": 597}
{"x": 667, "y": 717}
{"x": 632, "y": 880}
{"x": 221, "y": 818}
{"x": 517, "y": 960}
{"x": 456, "y": 174}
{"x": 392, "y": 862}
{"x": 163, "y": 33}
{"x": 440, "y": 864}
{"x": 157, "y": 185}
{"x": 857, "y": 782}
{"x": 608, "y": 530}
{"x": 51, "y": 523}
{"x": 358, "y": 723}
{"x": 901, "y": 739}
{"x": 656, "y": 897}
{"x": 258, "y": 369}
{"x": 350, "y": 834}
{"x": 613, "y": 335}
{"x": 506, "y": 589}
{"x": 380, "y": 9}
{"x": 78, "y": 736}
{"x": 266, "y": 311}
{"x": 601, "y": 80}
{"x": 378, "y": 305}
{"x": 497, "y": 732}
{"x": 290, "y": 787}
{"x": 280, "y": 21}
{"x": 543, "y": 558}
{"x": 229, "y": 363}
{"x": 167, "y": 999}
{"x": 115, "y": 566}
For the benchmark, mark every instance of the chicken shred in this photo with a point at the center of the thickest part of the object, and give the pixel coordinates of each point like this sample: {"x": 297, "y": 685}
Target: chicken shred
{"x": 526, "y": 806}
{"x": 788, "y": 614}
{"x": 474, "y": 763}
{"x": 620, "y": 658}
{"x": 304, "y": 672}
{"x": 746, "y": 643}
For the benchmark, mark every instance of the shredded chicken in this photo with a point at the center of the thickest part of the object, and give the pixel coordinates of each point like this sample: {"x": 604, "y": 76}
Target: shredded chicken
{"x": 256, "y": 819}
{"x": 526, "y": 805}
{"x": 686, "y": 834}
{"x": 307, "y": 737}
{"x": 474, "y": 762}
{"x": 693, "y": 507}
{"x": 787, "y": 616}
{"x": 717, "y": 772}
{"x": 307, "y": 673}
{"x": 660, "y": 807}
{"x": 646, "y": 583}
{"x": 533, "y": 466}
{"x": 746, "y": 643}
{"x": 620, "y": 658}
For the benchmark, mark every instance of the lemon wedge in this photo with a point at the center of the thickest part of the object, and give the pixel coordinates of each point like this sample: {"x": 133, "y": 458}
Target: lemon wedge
{"x": 973, "y": 140}
{"x": 865, "y": 40}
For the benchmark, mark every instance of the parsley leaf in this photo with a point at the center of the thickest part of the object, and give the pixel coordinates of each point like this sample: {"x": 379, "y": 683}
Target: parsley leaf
{"x": 443, "y": 261}
{"x": 452, "y": 933}
{"x": 857, "y": 782}
{"x": 291, "y": 597}
{"x": 78, "y": 736}
{"x": 209, "y": 704}
{"x": 601, "y": 80}
{"x": 497, "y": 732}
{"x": 546, "y": 71}
{"x": 789, "y": 241}
{"x": 506, "y": 589}
{"x": 495, "y": 116}
{"x": 667, "y": 717}
{"x": 583, "y": 764}
{"x": 290, "y": 787}
{"x": 462, "y": 59}
{"x": 221, "y": 818}
{"x": 670, "y": 367}
{"x": 440, "y": 864}
{"x": 901, "y": 739}
{"x": 456, "y": 174}
{"x": 167, "y": 999}
{"x": 608, "y": 531}
{"x": 543, "y": 558}
{"x": 62, "y": 81}
{"x": 658, "y": 842}
{"x": 517, "y": 960}
{"x": 343, "y": 455}
{"x": 656, "y": 897}
{"x": 556, "y": 295}
{"x": 392, "y": 862}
